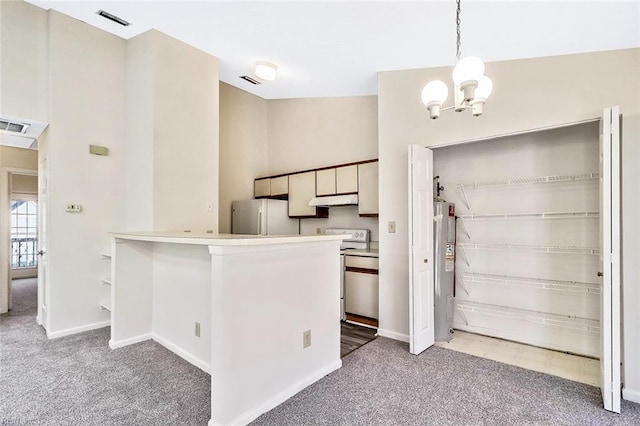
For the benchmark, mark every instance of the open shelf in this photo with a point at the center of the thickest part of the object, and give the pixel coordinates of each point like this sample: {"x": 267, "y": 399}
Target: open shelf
{"x": 532, "y": 248}
{"x": 554, "y": 320}
{"x": 470, "y": 278}
{"x": 106, "y": 305}
{"x": 552, "y": 215}
{"x": 531, "y": 180}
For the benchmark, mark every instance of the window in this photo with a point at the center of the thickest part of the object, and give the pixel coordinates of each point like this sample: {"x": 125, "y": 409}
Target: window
{"x": 24, "y": 234}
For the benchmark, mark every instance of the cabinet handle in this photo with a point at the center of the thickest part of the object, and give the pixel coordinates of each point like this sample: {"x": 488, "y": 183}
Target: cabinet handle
{"x": 426, "y": 261}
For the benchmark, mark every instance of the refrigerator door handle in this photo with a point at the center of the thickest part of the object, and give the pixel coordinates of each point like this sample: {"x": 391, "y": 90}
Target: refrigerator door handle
{"x": 260, "y": 222}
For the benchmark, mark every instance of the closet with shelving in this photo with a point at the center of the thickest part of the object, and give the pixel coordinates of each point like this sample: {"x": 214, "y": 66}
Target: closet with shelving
{"x": 527, "y": 240}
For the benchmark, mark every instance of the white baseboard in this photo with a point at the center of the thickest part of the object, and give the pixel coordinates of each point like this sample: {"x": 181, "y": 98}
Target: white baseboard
{"x": 393, "y": 335}
{"x": 129, "y": 341}
{"x": 249, "y": 416}
{"x": 190, "y": 358}
{"x": 631, "y": 395}
{"x": 76, "y": 330}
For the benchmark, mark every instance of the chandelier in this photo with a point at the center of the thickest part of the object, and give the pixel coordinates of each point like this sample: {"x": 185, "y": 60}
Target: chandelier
{"x": 471, "y": 86}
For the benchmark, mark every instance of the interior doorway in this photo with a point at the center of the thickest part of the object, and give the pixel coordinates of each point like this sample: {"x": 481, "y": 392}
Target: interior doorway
{"x": 23, "y": 229}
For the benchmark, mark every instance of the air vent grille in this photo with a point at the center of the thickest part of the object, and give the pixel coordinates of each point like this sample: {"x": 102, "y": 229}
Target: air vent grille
{"x": 249, "y": 79}
{"x": 113, "y": 18}
{"x": 11, "y": 126}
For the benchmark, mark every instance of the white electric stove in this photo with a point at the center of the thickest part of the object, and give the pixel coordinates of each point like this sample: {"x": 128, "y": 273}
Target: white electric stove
{"x": 359, "y": 239}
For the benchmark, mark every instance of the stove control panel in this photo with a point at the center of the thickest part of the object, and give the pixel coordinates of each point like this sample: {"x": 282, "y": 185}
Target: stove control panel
{"x": 357, "y": 235}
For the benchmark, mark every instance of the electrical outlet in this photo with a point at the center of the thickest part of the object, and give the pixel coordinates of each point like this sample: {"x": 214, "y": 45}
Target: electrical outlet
{"x": 392, "y": 227}
{"x": 306, "y": 339}
{"x": 197, "y": 330}
{"x": 209, "y": 206}
{"x": 318, "y": 230}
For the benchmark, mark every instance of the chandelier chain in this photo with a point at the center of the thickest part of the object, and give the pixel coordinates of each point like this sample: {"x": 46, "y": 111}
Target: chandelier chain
{"x": 458, "y": 42}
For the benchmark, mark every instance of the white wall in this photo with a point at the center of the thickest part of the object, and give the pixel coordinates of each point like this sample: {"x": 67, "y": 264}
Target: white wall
{"x": 185, "y": 151}
{"x": 139, "y": 132}
{"x": 319, "y": 132}
{"x": 243, "y": 147}
{"x": 528, "y": 94}
{"x": 87, "y": 104}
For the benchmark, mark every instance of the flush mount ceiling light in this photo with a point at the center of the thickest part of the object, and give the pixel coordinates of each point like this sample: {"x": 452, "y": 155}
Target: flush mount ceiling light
{"x": 266, "y": 70}
{"x": 471, "y": 87}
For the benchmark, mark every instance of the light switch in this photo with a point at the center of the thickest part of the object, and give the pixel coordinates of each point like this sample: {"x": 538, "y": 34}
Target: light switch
{"x": 392, "y": 227}
{"x": 74, "y": 208}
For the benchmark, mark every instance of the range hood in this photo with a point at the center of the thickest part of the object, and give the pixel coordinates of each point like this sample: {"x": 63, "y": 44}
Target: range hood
{"x": 335, "y": 200}
{"x": 20, "y": 132}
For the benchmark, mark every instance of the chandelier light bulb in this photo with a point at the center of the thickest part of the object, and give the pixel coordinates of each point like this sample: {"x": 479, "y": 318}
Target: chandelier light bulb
{"x": 484, "y": 89}
{"x": 466, "y": 74}
{"x": 266, "y": 70}
{"x": 469, "y": 68}
{"x": 434, "y": 94}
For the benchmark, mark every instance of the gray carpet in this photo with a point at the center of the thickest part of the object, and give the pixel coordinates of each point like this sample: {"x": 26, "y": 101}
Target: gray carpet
{"x": 78, "y": 380}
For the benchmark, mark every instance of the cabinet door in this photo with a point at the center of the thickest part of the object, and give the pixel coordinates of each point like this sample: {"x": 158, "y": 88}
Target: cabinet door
{"x": 302, "y": 188}
{"x": 361, "y": 294}
{"x": 262, "y": 188}
{"x": 326, "y": 182}
{"x": 347, "y": 179}
{"x": 368, "y": 189}
{"x": 279, "y": 186}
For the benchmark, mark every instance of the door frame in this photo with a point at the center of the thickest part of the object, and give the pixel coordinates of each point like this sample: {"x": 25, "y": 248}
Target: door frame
{"x": 5, "y": 233}
{"x": 615, "y": 326}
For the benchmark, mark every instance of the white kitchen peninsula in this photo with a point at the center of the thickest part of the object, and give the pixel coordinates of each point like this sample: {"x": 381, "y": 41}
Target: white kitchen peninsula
{"x": 250, "y": 299}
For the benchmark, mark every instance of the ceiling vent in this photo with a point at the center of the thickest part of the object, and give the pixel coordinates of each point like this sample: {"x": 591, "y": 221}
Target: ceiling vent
{"x": 20, "y": 132}
{"x": 13, "y": 126}
{"x": 249, "y": 79}
{"x": 113, "y": 18}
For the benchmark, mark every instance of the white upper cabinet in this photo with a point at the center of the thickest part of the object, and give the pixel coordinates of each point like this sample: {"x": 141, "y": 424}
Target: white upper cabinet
{"x": 302, "y": 188}
{"x": 347, "y": 179}
{"x": 279, "y": 186}
{"x": 368, "y": 189}
{"x": 326, "y": 182}
{"x": 262, "y": 187}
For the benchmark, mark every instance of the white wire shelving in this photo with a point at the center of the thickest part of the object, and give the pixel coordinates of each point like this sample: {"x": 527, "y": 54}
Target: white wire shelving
{"x": 563, "y": 321}
{"x": 525, "y": 181}
{"x": 524, "y": 216}
{"x": 106, "y": 305}
{"x": 464, "y": 247}
{"x": 469, "y": 279}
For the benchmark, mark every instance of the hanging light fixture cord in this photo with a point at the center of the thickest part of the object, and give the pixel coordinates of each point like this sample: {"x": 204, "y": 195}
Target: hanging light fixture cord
{"x": 458, "y": 42}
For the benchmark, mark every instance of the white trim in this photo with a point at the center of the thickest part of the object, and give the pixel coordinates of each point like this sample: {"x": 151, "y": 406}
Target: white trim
{"x": 631, "y": 395}
{"x": 250, "y": 415}
{"x": 516, "y": 133}
{"x": 190, "y": 358}
{"x": 393, "y": 335}
{"x": 76, "y": 330}
{"x": 129, "y": 341}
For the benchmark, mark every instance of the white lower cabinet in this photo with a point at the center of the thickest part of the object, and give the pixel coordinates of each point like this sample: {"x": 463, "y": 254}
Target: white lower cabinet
{"x": 361, "y": 286}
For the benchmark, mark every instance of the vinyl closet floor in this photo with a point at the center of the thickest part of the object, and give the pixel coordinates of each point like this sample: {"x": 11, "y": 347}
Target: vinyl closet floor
{"x": 353, "y": 336}
{"x": 571, "y": 367}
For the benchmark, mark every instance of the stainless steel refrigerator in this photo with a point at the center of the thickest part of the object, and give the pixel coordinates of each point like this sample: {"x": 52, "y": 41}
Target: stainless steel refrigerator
{"x": 444, "y": 257}
{"x": 262, "y": 217}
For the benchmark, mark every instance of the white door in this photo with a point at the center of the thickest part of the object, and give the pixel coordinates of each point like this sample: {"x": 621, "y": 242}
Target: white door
{"x": 43, "y": 188}
{"x": 421, "y": 310}
{"x": 610, "y": 258}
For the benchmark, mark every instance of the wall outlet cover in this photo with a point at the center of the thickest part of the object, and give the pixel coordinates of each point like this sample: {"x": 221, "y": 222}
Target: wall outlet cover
{"x": 306, "y": 339}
